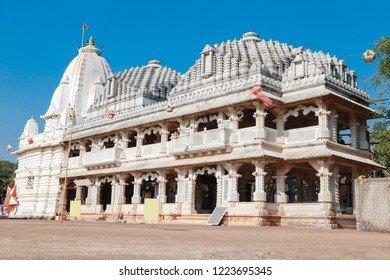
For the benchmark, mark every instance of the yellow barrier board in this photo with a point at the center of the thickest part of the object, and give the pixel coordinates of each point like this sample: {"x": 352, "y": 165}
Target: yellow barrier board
{"x": 75, "y": 208}
{"x": 151, "y": 209}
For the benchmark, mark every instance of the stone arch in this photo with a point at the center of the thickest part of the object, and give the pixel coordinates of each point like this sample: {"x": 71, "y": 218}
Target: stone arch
{"x": 149, "y": 186}
{"x": 70, "y": 194}
{"x": 105, "y": 192}
{"x": 302, "y": 116}
{"x": 205, "y": 189}
{"x": 246, "y": 182}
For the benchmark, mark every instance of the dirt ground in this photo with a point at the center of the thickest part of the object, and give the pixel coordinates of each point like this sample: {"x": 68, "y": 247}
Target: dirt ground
{"x": 72, "y": 240}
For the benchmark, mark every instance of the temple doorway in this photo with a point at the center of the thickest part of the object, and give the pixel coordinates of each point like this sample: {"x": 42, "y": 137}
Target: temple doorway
{"x": 205, "y": 193}
{"x": 105, "y": 194}
{"x": 70, "y": 195}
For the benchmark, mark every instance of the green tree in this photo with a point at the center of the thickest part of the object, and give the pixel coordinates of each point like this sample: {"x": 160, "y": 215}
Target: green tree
{"x": 7, "y": 174}
{"x": 380, "y": 131}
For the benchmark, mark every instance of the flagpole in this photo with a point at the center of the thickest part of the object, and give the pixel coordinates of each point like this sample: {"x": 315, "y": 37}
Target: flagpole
{"x": 63, "y": 193}
{"x": 82, "y": 36}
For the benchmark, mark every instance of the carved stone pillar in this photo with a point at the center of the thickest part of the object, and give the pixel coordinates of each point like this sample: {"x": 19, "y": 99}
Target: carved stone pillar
{"x": 333, "y": 122}
{"x": 323, "y": 121}
{"x": 78, "y": 193}
{"x": 324, "y": 174}
{"x": 259, "y": 193}
{"x": 218, "y": 176}
{"x": 191, "y": 190}
{"x": 140, "y": 138}
{"x": 181, "y": 185}
{"x": 232, "y": 113}
{"x": 125, "y": 142}
{"x": 233, "y": 194}
{"x": 164, "y": 139}
{"x": 280, "y": 121}
{"x": 259, "y": 115}
{"x": 90, "y": 193}
{"x": 96, "y": 193}
{"x": 162, "y": 183}
{"x": 280, "y": 196}
{"x": 136, "y": 199}
{"x": 83, "y": 149}
{"x": 334, "y": 188}
{"x": 114, "y": 195}
{"x": 354, "y": 130}
{"x": 121, "y": 198}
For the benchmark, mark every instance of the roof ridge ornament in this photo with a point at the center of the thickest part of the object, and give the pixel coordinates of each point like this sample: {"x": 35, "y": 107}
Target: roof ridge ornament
{"x": 91, "y": 42}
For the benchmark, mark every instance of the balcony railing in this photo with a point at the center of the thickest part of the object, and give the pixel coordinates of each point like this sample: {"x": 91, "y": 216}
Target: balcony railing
{"x": 204, "y": 140}
{"x": 73, "y": 162}
{"x": 246, "y": 134}
{"x": 152, "y": 149}
{"x": 104, "y": 157}
{"x": 303, "y": 134}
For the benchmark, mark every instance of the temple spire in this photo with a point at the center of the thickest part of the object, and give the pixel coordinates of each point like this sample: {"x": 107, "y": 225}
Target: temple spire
{"x": 91, "y": 42}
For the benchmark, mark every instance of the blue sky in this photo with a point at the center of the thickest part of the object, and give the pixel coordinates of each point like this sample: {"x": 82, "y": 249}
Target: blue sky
{"x": 40, "y": 38}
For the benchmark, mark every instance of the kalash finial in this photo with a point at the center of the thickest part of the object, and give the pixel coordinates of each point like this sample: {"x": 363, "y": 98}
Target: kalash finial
{"x": 91, "y": 42}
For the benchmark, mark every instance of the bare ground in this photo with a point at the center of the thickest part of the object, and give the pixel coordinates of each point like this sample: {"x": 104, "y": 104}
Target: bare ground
{"x": 72, "y": 240}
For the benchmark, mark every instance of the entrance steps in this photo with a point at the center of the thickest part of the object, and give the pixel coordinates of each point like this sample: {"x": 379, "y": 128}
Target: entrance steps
{"x": 345, "y": 221}
{"x": 194, "y": 219}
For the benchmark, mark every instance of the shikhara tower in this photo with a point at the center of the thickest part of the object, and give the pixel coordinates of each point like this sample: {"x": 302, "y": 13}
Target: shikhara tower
{"x": 292, "y": 162}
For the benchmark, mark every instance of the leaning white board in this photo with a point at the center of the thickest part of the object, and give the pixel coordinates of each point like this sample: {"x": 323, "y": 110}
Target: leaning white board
{"x": 217, "y": 216}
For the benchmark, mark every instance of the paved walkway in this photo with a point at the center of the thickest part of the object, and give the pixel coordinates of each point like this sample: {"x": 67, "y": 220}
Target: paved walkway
{"x": 41, "y": 239}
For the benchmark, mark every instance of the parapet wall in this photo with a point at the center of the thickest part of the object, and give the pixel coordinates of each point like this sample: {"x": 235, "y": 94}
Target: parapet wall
{"x": 373, "y": 204}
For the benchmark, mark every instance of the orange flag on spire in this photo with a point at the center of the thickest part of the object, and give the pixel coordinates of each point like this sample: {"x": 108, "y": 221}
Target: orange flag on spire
{"x": 85, "y": 26}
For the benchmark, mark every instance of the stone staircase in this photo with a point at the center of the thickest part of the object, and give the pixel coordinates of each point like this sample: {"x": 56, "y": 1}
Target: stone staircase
{"x": 194, "y": 219}
{"x": 345, "y": 221}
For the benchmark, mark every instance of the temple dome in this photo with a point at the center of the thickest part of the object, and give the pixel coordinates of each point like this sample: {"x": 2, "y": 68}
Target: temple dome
{"x": 236, "y": 58}
{"x": 30, "y": 129}
{"x": 77, "y": 82}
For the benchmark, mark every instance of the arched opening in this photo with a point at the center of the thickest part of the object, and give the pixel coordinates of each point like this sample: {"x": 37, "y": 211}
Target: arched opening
{"x": 88, "y": 146}
{"x": 310, "y": 119}
{"x": 173, "y": 129}
{"x": 149, "y": 189}
{"x": 270, "y": 120}
{"x": 270, "y": 183}
{"x": 129, "y": 189}
{"x": 132, "y": 140}
{"x": 109, "y": 142}
{"x": 152, "y": 138}
{"x": 84, "y": 194}
{"x": 205, "y": 193}
{"x": 171, "y": 188}
{"x": 247, "y": 119}
{"x": 206, "y": 122}
{"x": 70, "y": 195}
{"x": 105, "y": 194}
{"x": 345, "y": 190}
{"x": 302, "y": 184}
{"x": 246, "y": 183}
{"x": 74, "y": 151}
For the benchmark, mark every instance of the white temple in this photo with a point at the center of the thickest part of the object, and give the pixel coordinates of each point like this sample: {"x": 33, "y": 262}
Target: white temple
{"x": 110, "y": 141}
